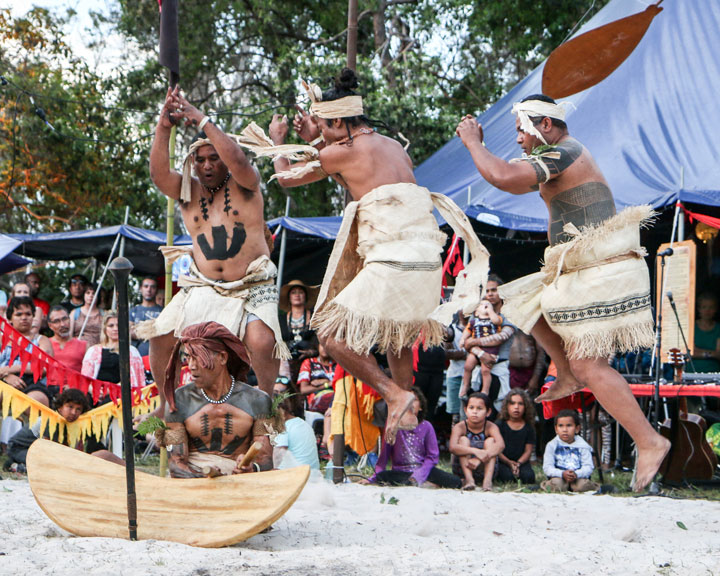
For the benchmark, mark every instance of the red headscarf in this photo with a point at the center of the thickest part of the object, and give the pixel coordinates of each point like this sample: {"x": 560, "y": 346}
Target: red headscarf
{"x": 201, "y": 341}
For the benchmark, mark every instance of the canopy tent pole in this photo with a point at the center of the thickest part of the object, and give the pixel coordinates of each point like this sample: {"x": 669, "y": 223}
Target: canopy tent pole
{"x": 121, "y": 253}
{"x": 283, "y": 246}
{"x": 102, "y": 279}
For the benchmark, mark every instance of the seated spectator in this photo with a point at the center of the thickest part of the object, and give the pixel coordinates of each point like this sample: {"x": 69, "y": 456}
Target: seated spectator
{"x": 282, "y": 384}
{"x": 21, "y": 289}
{"x": 21, "y": 311}
{"x": 414, "y": 455}
{"x": 315, "y": 381}
{"x": 477, "y": 443}
{"x": 66, "y": 349}
{"x": 297, "y": 444}
{"x": 94, "y": 315}
{"x": 568, "y": 460}
{"x": 70, "y": 405}
{"x": 76, "y": 291}
{"x": 102, "y": 361}
{"x": 517, "y": 427}
{"x": 146, "y": 310}
{"x": 706, "y": 354}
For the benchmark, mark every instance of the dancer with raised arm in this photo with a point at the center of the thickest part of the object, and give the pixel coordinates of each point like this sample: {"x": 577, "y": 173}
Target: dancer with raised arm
{"x": 592, "y": 297}
{"x": 383, "y": 282}
{"x": 231, "y": 278}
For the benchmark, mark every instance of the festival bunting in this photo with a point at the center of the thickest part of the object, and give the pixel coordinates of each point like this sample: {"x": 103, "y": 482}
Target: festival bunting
{"x": 95, "y": 422}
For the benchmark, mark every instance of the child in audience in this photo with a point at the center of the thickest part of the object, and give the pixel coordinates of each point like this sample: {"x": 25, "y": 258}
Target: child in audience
{"x": 517, "y": 427}
{"x": 70, "y": 404}
{"x": 477, "y": 443}
{"x": 568, "y": 458}
{"x": 414, "y": 455}
{"x": 297, "y": 445}
{"x": 484, "y": 322}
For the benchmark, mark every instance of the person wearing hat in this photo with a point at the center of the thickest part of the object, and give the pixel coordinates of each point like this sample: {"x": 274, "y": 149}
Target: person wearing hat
{"x": 296, "y": 302}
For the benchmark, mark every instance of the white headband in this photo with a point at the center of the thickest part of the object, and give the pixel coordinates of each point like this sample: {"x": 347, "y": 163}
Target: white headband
{"x": 533, "y": 109}
{"x": 345, "y": 107}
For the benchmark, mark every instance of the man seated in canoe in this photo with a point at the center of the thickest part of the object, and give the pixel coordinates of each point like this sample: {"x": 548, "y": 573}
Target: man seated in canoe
{"x": 214, "y": 419}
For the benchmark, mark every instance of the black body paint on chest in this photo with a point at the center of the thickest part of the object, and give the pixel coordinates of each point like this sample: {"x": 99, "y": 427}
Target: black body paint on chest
{"x": 219, "y": 250}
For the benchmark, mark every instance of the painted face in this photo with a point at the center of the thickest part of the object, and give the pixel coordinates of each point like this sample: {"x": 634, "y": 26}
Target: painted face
{"x": 491, "y": 293}
{"x": 516, "y": 407}
{"x": 59, "y": 322}
{"x": 20, "y": 289}
{"x": 566, "y": 429}
{"x": 210, "y": 170}
{"x": 148, "y": 289}
{"x": 21, "y": 319}
{"x": 476, "y": 410}
{"x": 71, "y": 411}
{"x": 297, "y": 296}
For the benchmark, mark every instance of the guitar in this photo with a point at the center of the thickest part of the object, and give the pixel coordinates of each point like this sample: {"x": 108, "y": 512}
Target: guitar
{"x": 690, "y": 457}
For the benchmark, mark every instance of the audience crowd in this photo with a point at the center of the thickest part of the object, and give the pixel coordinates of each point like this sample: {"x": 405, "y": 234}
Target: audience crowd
{"x": 474, "y": 396}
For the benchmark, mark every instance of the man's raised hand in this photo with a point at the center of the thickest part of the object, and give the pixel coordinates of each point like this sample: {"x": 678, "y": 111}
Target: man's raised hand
{"x": 469, "y": 130}
{"x": 305, "y": 125}
{"x": 168, "y": 115}
{"x": 278, "y": 129}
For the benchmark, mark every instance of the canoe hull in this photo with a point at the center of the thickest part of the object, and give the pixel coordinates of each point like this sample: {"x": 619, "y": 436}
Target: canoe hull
{"x": 87, "y": 496}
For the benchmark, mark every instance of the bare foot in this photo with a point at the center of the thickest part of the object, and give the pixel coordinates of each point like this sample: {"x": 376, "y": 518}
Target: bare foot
{"x": 468, "y": 486}
{"x": 648, "y": 463}
{"x": 398, "y": 416}
{"x": 560, "y": 388}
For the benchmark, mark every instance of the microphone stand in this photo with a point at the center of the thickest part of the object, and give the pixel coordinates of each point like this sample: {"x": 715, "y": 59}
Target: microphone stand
{"x": 658, "y": 342}
{"x": 682, "y": 332}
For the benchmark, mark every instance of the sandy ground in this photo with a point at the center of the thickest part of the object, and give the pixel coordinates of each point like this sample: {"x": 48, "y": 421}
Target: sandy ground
{"x": 347, "y": 530}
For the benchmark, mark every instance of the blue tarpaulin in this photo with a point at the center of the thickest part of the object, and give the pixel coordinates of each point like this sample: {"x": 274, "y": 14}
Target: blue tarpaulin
{"x": 650, "y": 125}
{"x": 8, "y": 260}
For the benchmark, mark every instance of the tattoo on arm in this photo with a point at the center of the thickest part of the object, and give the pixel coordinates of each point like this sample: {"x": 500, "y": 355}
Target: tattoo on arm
{"x": 551, "y": 162}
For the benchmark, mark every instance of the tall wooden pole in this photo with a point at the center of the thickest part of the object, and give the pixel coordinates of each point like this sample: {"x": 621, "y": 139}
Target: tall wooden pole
{"x": 352, "y": 34}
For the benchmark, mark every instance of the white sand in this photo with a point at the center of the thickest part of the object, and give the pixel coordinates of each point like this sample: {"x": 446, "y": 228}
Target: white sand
{"x": 346, "y": 530}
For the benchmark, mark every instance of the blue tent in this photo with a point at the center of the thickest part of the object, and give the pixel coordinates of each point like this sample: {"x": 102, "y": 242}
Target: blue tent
{"x": 650, "y": 125}
{"x": 8, "y": 260}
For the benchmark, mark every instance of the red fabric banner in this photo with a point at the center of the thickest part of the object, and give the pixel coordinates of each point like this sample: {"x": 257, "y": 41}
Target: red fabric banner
{"x": 704, "y": 218}
{"x": 40, "y": 361}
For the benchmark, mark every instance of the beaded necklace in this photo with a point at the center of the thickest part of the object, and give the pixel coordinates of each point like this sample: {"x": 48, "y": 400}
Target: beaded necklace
{"x": 224, "y": 398}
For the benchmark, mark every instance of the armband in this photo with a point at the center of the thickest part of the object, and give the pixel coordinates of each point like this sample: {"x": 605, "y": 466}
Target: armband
{"x": 256, "y": 466}
{"x": 170, "y": 436}
{"x": 317, "y": 140}
{"x": 204, "y": 121}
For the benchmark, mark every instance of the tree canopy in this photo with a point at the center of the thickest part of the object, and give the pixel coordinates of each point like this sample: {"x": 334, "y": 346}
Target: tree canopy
{"x": 422, "y": 63}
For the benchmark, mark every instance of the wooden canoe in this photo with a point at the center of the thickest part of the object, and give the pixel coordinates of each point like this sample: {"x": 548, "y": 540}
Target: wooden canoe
{"x": 87, "y": 496}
